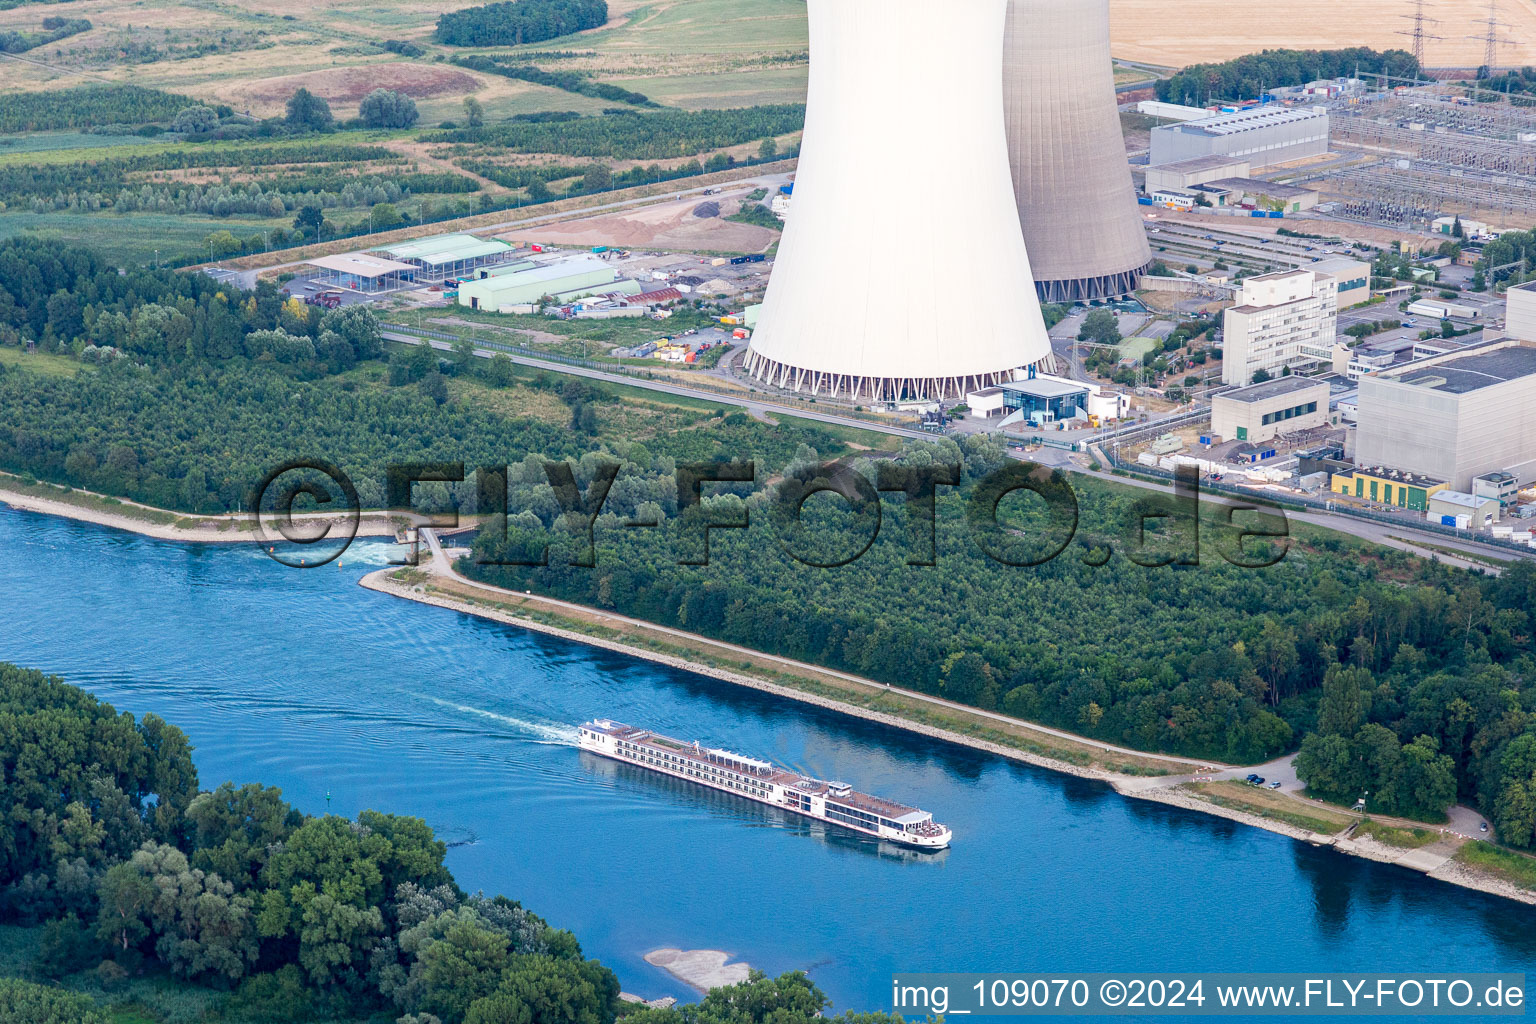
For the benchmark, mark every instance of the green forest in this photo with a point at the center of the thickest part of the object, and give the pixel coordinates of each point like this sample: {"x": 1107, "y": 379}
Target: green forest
{"x": 526, "y": 21}
{"x": 1394, "y": 675}
{"x": 1247, "y": 77}
{"x": 134, "y": 879}
{"x": 88, "y": 106}
{"x": 1390, "y": 674}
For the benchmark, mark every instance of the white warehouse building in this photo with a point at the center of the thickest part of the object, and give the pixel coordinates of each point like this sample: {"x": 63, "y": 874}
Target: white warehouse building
{"x": 911, "y": 286}
{"x": 1263, "y": 136}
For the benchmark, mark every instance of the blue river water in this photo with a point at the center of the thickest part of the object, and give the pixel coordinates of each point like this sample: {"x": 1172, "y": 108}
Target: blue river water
{"x": 349, "y": 699}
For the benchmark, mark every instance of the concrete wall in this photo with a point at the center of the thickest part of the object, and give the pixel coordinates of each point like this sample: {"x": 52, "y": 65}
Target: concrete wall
{"x": 1071, "y": 181}
{"x": 1449, "y": 437}
{"x": 1520, "y": 313}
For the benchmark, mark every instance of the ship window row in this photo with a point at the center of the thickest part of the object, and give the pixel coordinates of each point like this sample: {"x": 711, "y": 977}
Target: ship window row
{"x": 864, "y": 816}
{"x": 689, "y": 767}
{"x": 838, "y": 814}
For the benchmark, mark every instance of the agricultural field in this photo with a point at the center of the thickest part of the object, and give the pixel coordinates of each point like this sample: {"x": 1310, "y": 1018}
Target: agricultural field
{"x": 89, "y": 153}
{"x": 1175, "y": 33}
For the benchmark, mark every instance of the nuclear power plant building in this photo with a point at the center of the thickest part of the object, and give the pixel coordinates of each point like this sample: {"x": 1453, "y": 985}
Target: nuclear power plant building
{"x": 902, "y": 274}
{"x": 1070, "y": 174}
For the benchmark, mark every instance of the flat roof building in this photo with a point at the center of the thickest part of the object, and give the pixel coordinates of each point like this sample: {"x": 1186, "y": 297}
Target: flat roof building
{"x": 360, "y": 272}
{"x": 1262, "y": 412}
{"x": 1453, "y": 417}
{"x": 1281, "y": 320}
{"x": 1285, "y": 198}
{"x": 1264, "y": 136}
{"x": 1202, "y": 169}
{"x": 1353, "y": 277}
{"x": 440, "y": 257}
{"x": 564, "y": 281}
{"x": 1389, "y": 487}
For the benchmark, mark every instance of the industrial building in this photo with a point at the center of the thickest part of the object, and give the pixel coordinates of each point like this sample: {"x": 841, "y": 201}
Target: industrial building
{"x": 1501, "y": 486}
{"x": 1453, "y": 417}
{"x": 1073, "y": 186}
{"x": 1171, "y": 111}
{"x": 1458, "y": 508}
{"x": 1264, "y": 136}
{"x": 1388, "y": 487}
{"x": 1268, "y": 195}
{"x": 360, "y": 272}
{"x": 1042, "y": 398}
{"x": 913, "y": 286}
{"x": 563, "y": 281}
{"x": 1284, "y": 319}
{"x": 1186, "y": 174}
{"x": 1262, "y": 412}
{"x": 1520, "y": 311}
{"x": 1352, "y": 278}
{"x": 441, "y": 257}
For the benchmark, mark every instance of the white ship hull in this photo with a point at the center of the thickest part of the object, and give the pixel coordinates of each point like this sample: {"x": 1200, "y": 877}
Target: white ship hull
{"x": 757, "y": 781}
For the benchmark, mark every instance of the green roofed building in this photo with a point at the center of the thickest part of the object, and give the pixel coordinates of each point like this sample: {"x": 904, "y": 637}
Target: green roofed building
{"x": 442, "y": 257}
{"x": 568, "y": 280}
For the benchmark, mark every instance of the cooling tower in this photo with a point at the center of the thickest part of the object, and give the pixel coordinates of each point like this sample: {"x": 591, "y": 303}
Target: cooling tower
{"x": 902, "y": 273}
{"x": 1074, "y": 190}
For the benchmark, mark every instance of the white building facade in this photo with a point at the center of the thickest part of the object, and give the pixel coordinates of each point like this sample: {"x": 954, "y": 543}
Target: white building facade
{"x": 1281, "y": 320}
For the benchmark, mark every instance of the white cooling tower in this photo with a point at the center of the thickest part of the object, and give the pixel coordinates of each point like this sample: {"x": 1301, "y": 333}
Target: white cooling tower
{"x": 902, "y": 273}
{"x": 1073, "y": 184}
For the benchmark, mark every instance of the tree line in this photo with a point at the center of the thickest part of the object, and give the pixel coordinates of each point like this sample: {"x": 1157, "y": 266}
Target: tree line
{"x": 87, "y": 106}
{"x": 526, "y": 21}
{"x": 569, "y": 81}
{"x": 1399, "y": 679}
{"x": 1249, "y": 76}
{"x": 132, "y": 868}
{"x": 54, "y": 29}
{"x": 632, "y": 135}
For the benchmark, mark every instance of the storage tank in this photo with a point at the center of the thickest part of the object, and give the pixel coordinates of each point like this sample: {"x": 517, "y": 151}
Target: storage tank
{"x": 903, "y": 273}
{"x": 1070, "y": 175}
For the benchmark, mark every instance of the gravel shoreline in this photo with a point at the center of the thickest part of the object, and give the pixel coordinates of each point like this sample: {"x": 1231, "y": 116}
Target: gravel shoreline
{"x": 209, "y": 529}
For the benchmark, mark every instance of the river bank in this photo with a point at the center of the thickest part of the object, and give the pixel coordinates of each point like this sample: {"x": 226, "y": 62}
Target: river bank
{"x": 1438, "y": 862}
{"x": 101, "y": 510}
{"x": 1143, "y": 777}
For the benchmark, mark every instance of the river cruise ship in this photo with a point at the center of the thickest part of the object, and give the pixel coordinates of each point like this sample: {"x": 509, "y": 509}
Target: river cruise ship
{"x": 836, "y": 803}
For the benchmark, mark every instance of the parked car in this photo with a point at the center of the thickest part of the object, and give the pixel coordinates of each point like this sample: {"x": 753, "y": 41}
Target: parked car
{"x": 1274, "y": 785}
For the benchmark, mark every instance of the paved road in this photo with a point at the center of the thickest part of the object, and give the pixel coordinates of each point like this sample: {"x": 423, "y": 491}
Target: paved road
{"x": 247, "y": 278}
{"x": 761, "y": 408}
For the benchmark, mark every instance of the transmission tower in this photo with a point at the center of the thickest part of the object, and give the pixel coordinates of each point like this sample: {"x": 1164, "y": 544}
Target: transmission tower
{"x": 1419, "y": 32}
{"x": 1491, "y": 37}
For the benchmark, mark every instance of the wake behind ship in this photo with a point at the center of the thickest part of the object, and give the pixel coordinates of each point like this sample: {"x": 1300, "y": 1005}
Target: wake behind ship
{"x": 836, "y": 803}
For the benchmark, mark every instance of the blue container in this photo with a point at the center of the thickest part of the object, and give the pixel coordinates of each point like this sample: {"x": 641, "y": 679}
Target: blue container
{"x": 1276, "y": 214}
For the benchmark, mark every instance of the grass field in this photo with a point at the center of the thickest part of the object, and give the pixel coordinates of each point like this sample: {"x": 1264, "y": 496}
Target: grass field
{"x": 133, "y": 237}
{"x": 39, "y": 362}
{"x": 1240, "y": 796}
{"x": 1514, "y": 867}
